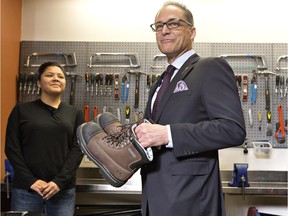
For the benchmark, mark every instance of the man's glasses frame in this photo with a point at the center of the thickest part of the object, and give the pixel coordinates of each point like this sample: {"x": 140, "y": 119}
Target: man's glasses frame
{"x": 171, "y": 24}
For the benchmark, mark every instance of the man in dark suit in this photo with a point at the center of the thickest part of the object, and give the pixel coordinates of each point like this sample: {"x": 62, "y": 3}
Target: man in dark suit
{"x": 199, "y": 113}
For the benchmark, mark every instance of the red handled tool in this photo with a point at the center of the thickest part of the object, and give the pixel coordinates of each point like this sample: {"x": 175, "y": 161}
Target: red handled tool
{"x": 280, "y": 132}
{"x": 95, "y": 111}
{"x": 245, "y": 88}
{"x": 86, "y": 113}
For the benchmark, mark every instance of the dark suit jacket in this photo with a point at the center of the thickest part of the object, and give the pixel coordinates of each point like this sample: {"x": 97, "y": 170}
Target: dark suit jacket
{"x": 185, "y": 180}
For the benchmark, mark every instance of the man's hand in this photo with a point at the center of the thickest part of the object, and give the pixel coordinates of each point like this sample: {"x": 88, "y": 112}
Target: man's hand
{"x": 152, "y": 134}
{"x": 50, "y": 190}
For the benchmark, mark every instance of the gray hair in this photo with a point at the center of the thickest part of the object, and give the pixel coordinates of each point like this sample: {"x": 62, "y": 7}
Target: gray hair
{"x": 187, "y": 13}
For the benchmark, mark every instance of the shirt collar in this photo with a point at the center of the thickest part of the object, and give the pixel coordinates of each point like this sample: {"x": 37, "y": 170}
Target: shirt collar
{"x": 177, "y": 63}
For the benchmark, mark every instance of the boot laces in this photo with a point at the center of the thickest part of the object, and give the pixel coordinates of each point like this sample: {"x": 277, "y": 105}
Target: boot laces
{"x": 121, "y": 139}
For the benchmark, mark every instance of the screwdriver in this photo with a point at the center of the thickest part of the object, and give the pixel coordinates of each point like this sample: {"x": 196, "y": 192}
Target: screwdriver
{"x": 260, "y": 120}
{"x": 87, "y": 82}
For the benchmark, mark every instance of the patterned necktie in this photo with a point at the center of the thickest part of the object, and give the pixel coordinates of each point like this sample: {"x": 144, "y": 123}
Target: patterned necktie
{"x": 166, "y": 80}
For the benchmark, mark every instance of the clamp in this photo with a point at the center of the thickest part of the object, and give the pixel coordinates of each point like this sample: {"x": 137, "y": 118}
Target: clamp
{"x": 240, "y": 178}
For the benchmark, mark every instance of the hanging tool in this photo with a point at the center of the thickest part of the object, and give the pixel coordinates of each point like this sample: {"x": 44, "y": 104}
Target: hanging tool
{"x": 269, "y": 124}
{"x": 104, "y": 109}
{"x": 127, "y": 115}
{"x": 70, "y": 58}
{"x": 87, "y": 81}
{"x": 125, "y": 88}
{"x": 266, "y": 74}
{"x": 280, "y": 130}
{"x": 101, "y": 80}
{"x": 260, "y": 120}
{"x": 137, "y": 88}
{"x": 148, "y": 82}
{"x": 238, "y": 83}
{"x": 30, "y": 82}
{"x": 244, "y": 87}
{"x": 108, "y": 83}
{"x": 286, "y": 88}
{"x": 277, "y": 80}
{"x": 34, "y": 88}
{"x": 253, "y": 97}
{"x": 20, "y": 85}
{"x": 110, "y": 109}
{"x": 260, "y": 60}
{"x": 73, "y": 86}
{"x": 92, "y": 83}
{"x": 253, "y": 88}
{"x": 281, "y": 86}
{"x": 116, "y": 86}
{"x": 95, "y": 111}
{"x": 86, "y": 113}
{"x": 97, "y": 83}
{"x": 267, "y": 93}
{"x": 118, "y": 111}
{"x": 25, "y": 79}
{"x": 267, "y": 106}
{"x": 100, "y": 60}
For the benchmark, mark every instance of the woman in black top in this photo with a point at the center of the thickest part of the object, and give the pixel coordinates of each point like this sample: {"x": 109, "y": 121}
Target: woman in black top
{"x": 42, "y": 147}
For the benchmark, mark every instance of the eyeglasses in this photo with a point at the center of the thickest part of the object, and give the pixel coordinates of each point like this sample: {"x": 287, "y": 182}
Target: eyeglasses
{"x": 171, "y": 24}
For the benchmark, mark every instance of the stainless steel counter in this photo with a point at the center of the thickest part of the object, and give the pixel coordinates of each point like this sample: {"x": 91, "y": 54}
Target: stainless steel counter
{"x": 261, "y": 183}
{"x": 94, "y": 194}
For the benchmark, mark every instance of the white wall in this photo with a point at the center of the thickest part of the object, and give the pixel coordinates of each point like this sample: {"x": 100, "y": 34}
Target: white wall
{"x": 248, "y": 21}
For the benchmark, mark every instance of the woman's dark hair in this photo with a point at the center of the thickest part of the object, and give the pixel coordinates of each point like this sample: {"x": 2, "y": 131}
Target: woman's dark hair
{"x": 45, "y": 65}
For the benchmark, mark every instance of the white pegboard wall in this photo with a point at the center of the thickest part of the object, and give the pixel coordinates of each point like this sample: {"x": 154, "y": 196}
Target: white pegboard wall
{"x": 146, "y": 52}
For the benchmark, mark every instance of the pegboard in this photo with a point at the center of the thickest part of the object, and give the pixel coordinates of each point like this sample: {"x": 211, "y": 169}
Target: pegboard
{"x": 146, "y": 53}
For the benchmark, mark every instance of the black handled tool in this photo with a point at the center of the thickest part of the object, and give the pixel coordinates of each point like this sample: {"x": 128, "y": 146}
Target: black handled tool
{"x": 267, "y": 93}
{"x": 73, "y": 87}
{"x": 136, "y": 103}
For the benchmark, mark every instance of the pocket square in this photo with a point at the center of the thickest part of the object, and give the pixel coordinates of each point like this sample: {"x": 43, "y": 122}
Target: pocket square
{"x": 180, "y": 86}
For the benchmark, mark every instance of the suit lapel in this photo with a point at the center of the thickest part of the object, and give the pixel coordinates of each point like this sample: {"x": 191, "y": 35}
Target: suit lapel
{"x": 186, "y": 68}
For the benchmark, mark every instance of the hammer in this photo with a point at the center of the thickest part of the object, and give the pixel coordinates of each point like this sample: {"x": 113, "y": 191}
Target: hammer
{"x": 73, "y": 82}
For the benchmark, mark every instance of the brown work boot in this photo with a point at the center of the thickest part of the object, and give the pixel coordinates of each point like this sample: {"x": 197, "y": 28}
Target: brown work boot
{"x": 109, "y": 122}
{"x": 117, "y": 156}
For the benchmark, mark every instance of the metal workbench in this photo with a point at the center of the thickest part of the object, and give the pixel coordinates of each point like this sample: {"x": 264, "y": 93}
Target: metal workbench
{"x": 96, "y": 197}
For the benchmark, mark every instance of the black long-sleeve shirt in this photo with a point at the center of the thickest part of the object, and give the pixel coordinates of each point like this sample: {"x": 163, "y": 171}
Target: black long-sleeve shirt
{"x": 41, "y": 143}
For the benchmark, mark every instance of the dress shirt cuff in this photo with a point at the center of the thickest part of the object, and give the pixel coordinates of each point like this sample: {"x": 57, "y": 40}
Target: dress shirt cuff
{"x": 170, "y": 143}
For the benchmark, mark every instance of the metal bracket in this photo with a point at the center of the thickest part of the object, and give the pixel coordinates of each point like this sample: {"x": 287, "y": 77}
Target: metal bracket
{"x": 156, "y": 58}
{"x": 278, "y": 67}
{"x": 115, "y": 60}
{"x": 70, "y": 59}
{"x": 266, "y": 73}
{"x": 259, "y": 59}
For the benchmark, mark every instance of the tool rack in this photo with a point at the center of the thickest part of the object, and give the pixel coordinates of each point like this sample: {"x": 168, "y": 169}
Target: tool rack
{"x": 122, "y": 60}
{"x": 259, "y": 96}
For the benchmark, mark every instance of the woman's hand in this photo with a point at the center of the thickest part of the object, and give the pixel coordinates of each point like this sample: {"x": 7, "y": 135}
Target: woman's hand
{"x": 50, "y": 190}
